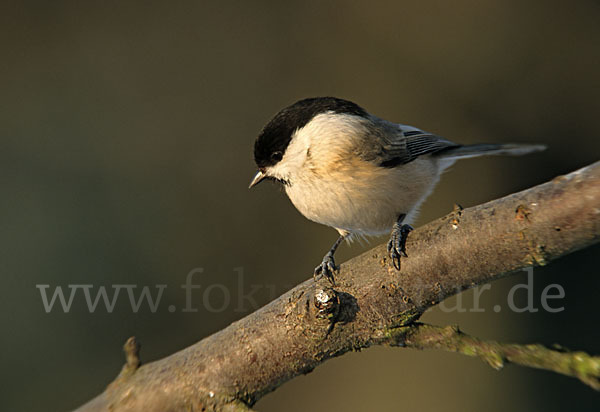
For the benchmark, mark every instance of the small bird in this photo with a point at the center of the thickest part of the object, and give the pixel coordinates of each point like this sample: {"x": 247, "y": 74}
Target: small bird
{"x": 362, "y": 175}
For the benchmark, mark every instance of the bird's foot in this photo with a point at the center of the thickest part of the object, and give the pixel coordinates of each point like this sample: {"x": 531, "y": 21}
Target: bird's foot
{"x": 397, "y": 244}
{"x": 326, "y": 268}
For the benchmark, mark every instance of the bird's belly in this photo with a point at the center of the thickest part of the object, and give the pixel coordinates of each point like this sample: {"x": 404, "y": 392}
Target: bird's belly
{"x": 367, "y": 203}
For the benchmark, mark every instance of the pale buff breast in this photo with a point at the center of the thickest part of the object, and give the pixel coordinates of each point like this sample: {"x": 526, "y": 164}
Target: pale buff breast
{"x": 360, "y": 197}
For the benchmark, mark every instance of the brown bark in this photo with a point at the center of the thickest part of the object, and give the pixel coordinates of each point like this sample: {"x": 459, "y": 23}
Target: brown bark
{"x": 372, "y": 302}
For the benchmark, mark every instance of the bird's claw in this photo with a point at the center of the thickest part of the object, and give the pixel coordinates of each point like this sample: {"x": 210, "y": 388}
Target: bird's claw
{"x": 397, "y": 244}
{"x": 326, "y": 268}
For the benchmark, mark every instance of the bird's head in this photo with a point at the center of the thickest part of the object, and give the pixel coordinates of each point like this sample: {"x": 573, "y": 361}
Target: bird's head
{"x": 274, "y": 152}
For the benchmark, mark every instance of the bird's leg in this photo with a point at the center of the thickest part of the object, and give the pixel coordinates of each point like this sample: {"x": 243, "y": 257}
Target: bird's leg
{"x": 397, "y": 243}
{"x": 327, "y": 266}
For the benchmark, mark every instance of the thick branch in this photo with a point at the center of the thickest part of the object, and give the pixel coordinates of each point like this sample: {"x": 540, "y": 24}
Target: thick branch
{"x": 311, "y": 323}
{"x": 580, "y": 365}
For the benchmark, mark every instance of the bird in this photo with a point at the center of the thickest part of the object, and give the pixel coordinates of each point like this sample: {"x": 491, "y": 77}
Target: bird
{"x": 353, "y": 171}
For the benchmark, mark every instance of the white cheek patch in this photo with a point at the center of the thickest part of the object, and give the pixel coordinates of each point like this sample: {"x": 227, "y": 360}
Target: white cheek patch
{"x": 292, "y": 162}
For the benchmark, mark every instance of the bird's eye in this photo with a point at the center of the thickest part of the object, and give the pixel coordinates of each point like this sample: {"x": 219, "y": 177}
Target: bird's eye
{"x": 277, "y": 156}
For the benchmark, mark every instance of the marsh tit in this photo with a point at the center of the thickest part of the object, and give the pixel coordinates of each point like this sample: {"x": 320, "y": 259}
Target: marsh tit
{"x": 362, "y": 175}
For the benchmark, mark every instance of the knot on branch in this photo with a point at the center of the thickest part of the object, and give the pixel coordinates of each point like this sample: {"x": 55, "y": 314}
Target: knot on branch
{"x": 132, "y": 356}
{"x": 455, "y": 216}
{"x": 327, "y": 302}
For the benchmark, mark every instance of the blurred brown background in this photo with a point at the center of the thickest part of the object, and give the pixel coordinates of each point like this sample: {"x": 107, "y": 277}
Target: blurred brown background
{"x": 126, "y": 151}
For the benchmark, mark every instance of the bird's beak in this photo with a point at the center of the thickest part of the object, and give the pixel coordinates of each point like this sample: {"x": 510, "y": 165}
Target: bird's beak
{"x": 260, "y": 175}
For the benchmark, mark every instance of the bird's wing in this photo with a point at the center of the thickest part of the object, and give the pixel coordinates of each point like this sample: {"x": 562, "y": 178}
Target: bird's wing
{"x": 403, "y": 144}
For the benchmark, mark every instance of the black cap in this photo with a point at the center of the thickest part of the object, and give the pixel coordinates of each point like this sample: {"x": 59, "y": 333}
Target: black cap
{"x": 275, "y": 137}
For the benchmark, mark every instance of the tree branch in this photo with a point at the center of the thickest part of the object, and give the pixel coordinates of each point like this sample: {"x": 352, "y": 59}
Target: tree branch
{"x": 311, "y": 323}
{"x": 577, "y": 364}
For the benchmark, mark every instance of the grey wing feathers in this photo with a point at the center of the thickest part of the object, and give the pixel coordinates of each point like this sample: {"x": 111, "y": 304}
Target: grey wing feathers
{"x": 409, "y": 143}
{"x": 401, "y": 144}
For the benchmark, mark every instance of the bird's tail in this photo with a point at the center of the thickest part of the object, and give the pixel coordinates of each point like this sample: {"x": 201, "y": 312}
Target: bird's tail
{"x": 474, "y": 150}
